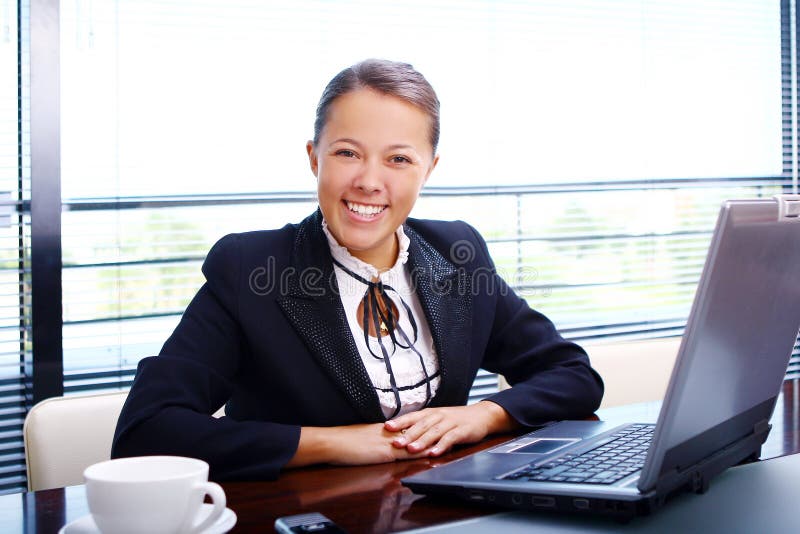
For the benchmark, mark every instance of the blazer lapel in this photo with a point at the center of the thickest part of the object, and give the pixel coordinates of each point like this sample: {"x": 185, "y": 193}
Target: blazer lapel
{"x": 313, "y": 307}
{"x": 445, "y": 294}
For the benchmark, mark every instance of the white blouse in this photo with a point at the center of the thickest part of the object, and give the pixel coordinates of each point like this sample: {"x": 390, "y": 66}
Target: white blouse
{"x": 406, "y": 367}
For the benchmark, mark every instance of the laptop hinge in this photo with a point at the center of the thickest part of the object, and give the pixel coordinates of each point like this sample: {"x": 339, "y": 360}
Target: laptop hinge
{"x": 762, "y": 426}
{"x": 788, "y": 207}
{"x": 698, "y": 476}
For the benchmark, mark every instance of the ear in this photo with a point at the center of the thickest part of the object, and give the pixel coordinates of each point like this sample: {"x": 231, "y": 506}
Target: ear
{"x": 312, "y": 157}
{"x": 430, "y": 170}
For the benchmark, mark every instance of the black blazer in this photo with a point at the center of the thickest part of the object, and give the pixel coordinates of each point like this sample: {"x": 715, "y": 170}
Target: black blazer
{"x": 267, "y": 335}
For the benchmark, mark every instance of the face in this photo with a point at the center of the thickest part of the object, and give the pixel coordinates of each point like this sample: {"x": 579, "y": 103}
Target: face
{"x": 371, "y": 161}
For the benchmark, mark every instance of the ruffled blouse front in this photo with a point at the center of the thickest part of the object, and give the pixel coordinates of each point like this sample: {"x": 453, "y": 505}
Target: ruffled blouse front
{"x": 410, "y": 377}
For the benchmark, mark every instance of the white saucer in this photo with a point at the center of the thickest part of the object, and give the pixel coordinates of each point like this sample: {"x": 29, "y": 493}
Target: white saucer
{"x": 86, "y": 525}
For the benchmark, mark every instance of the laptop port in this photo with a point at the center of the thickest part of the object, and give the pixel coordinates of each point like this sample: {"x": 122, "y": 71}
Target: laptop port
{"x": 581, "y": 504}
{"x": 477, "y": 496}
{"x": 543, "y": 502}
{"x": 516, "y": 499}
{"x": 611, "y": 506}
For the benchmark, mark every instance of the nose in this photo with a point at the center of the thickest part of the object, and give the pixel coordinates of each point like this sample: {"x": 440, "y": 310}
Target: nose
{"x": 369, "y": 180}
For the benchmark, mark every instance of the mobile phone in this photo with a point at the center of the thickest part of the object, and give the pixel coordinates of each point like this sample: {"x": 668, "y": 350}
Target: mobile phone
{"x": 313, "y": 523}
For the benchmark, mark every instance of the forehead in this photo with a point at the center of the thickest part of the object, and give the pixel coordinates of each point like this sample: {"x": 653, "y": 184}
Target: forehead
{"x": 368, "y": 115}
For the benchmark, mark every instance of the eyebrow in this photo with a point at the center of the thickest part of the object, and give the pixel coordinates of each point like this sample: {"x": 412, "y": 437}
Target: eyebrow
{"x": 395, "y": 147}
{"x": 346, "y": 140}
{"x": 390, "y": 147}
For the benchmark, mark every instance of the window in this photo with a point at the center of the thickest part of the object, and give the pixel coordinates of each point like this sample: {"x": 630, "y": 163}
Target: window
{"x": 591, "y": 142}
{"x": 15, "y": 310}
{"x": 197, "y": 97}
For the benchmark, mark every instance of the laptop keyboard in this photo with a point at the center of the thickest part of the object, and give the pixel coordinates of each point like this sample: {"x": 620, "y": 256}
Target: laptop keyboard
{"x": 617, "y": 456}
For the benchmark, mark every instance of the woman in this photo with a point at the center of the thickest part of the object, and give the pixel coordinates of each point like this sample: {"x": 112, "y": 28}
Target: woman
{"x": 354, "y": 336}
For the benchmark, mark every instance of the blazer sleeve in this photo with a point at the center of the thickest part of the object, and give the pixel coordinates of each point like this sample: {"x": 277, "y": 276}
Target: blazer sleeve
{"x": 551, "y": 378}
{"x": 168, "y": 410}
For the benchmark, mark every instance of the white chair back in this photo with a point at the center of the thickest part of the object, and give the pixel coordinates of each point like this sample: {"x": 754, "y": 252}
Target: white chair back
{"x": 633, "y": 371}
{"x": 65, "y": 435}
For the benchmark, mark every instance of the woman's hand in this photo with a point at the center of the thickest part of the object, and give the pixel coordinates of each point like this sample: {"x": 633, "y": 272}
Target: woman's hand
{"x": 433, "y": 431}
{"x": 349, "y": 445}
{"x": 428, "y": 432}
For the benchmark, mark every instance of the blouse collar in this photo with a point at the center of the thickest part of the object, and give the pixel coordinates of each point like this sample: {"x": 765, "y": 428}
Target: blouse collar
{"x": 368, "y": 271}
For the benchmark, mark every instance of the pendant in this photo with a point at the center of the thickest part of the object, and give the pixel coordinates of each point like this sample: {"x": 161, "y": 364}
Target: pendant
{"x": 383, "y": 328}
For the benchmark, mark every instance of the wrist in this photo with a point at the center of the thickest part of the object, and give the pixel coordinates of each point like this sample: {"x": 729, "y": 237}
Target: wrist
{"x": 314, "y": 446}
{"x": 498, "y": 419}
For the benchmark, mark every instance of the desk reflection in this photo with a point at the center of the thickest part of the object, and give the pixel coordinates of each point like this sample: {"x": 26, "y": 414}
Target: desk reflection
{"x": 365, "y": 499}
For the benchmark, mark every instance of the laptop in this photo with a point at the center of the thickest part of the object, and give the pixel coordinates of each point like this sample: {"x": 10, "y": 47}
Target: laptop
{"x": 723, "y": 388}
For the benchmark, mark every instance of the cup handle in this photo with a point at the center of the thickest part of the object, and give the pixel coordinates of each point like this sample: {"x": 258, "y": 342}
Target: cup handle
{"x": 217, "y": 495}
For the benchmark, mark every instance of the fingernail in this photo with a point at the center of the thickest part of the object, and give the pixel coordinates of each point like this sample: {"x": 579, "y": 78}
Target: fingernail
{"x": 400, "y": 441}
{"x": 434, "y": 451}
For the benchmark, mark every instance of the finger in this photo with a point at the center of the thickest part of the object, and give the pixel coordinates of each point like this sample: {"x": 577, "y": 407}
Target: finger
{"x": 446, "y": 442}
{"x": 430, "y": 424}
{"x": 404, "y": 454}
{"x": 400, "y": 428}
{"x": 399, "y": 440}
{"x": 432, "y": 435}
{"x": 419, "y": 429}
{"x": 404, "y": 421}
{"x": 393, "y": 425}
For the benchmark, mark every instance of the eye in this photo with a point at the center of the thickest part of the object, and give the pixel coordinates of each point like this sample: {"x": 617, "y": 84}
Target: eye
{"x": 400, "y": 159}
{"x": 346, "y": 153}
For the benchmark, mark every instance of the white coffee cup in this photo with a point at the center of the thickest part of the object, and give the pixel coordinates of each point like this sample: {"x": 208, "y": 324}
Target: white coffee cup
{"x": 153, "y": 494}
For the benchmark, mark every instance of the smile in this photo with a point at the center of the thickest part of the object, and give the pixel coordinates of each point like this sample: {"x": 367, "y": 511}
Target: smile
{"x": 365, "y": 210}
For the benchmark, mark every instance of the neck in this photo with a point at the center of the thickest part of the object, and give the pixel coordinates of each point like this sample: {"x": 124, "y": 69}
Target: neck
{"x": 382, "y": 258}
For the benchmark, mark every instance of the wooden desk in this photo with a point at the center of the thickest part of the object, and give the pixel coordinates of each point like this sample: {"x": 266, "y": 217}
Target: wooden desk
{"x": 365, "y": 499}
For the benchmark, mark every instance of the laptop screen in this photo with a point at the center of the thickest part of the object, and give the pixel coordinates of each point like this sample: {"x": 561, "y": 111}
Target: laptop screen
{"x": 738, "y": 338}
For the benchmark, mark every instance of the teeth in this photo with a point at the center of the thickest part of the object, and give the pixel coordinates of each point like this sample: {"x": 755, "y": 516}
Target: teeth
{"x": 364, "y": 209}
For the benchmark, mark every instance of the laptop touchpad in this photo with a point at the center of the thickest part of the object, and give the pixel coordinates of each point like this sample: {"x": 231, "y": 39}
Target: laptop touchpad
{"x": 543, "y": 446}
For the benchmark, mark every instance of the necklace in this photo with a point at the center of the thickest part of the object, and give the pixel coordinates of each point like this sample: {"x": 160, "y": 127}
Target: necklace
{"x": 383, "y": 311}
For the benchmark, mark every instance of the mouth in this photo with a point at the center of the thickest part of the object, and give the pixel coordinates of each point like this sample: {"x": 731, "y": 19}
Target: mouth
{"x": 365, "y": 210}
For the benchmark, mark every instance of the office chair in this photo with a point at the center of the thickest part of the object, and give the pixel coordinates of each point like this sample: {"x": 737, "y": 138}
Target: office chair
{"x": 633, "y": 371}
{"x": 65, "y": 435}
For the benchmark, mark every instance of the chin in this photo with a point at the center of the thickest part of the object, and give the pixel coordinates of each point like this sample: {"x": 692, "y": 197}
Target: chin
{"x": 360, "y": 246}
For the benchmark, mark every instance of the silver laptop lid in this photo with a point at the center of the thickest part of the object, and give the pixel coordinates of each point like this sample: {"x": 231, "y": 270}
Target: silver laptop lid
{"x": 738, "y": 338}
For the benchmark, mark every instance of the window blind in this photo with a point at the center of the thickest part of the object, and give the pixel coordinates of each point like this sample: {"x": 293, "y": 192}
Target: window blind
{"x": 590, "y": 142}
{"x": 15, "y": 312}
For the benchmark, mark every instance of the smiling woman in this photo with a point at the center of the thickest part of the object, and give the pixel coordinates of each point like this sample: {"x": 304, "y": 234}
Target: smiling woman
{"x": 371, "y": 162}
{"x": 366, "y": 348}
{"x": 374, "y": 147}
